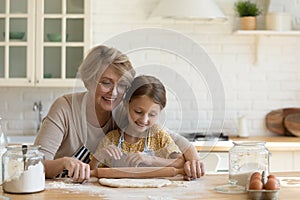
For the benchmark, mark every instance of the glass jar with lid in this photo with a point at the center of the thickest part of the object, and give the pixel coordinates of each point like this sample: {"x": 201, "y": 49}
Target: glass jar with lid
{"x": 245, "y": 158}
{"x": 23, "y": 169}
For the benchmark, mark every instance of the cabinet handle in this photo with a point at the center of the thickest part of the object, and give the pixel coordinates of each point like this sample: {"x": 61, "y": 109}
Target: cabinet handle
{"x": 29, "y": 80}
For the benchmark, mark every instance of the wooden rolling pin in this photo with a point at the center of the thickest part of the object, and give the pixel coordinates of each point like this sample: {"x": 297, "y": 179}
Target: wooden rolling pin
{"x": 136, "y": 172}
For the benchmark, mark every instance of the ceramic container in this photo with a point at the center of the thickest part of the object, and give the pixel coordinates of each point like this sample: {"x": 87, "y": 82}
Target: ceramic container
{"x": 278, "y": 21}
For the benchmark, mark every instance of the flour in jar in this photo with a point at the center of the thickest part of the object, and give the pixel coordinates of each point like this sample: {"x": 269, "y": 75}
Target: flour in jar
{"x": 241, "y": 178}
{"x": 21, "y": 180}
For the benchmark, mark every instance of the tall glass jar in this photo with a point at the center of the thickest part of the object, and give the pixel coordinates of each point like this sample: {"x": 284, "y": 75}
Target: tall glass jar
{"x": 23, "y": 169}
{"x": 3, "y": 144}
{"x": 246, "y": 158}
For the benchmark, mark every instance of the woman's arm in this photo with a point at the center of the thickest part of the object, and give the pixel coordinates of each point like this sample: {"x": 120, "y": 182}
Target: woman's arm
{"x": 54, "y": 130}
{"x": 192, "y": 167}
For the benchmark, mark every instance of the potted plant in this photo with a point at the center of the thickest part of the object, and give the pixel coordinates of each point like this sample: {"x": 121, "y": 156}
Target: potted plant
{"x": 247, "y": 11}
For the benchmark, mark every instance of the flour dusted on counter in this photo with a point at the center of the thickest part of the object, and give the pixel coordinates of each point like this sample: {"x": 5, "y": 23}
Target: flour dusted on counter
{"x": 24, "y": 181}
{"x": 70, "y": 186}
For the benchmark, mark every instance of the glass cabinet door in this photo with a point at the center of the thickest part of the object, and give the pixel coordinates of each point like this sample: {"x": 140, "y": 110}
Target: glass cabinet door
{"x": 42, "y": 42}
{"x": 62, "y": 40}
{"x": 16, "y": 42}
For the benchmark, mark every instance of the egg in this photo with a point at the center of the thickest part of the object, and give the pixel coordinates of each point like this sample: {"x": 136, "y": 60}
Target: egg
{"x": 256, "y": 184}
{"x": 271, "y": 184}
{"x": 255, "y": 175}
{"x": 271, "y": 176}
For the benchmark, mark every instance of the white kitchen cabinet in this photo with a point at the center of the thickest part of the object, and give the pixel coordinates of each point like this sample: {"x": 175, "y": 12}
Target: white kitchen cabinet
{"x": 36, "y": 59}
{"x": 208, "y": 158}
{"x": 280, "y": 161}
{"x": 296, "y": 161}
{"x": 285, "y": 161}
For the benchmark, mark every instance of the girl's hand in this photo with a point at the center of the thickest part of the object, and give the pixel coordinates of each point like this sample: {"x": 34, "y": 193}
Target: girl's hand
{"x": 111, "y": 151}
{"x": 77, "y": 170}
{"x": 135, "y": 159}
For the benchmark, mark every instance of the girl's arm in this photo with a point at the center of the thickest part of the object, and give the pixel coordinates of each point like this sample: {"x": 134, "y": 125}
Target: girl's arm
{"x": 175, "y": 160}
{"x": 102, "y": 153}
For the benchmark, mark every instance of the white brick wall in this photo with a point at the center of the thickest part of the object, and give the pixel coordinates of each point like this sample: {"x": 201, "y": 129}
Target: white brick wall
{"x": 250, "y": 89}
{"x": 16, "y": 107}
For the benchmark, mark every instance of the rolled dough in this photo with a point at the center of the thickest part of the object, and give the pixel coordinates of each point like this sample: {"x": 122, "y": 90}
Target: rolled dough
{"x": 134, "y": 183}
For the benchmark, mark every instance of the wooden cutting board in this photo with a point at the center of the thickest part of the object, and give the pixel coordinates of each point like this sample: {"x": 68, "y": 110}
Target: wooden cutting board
{"x": 292, "y": 124}
{"x": 136, "y": 172}
{"x": 275, "y": 120}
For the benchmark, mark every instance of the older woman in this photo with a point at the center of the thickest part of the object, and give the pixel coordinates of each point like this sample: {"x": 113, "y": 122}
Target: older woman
{"x": 76, "y": 122}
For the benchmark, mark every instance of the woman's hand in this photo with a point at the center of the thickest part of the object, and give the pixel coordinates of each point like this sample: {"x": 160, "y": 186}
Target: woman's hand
{"x": 77, "y": 170}
{"x": 135, "y": 159}
{"x": 193, "y": 169}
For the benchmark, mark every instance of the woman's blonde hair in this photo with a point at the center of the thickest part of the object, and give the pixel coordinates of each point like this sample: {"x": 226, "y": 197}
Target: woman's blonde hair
{"x": 99, "y": 59}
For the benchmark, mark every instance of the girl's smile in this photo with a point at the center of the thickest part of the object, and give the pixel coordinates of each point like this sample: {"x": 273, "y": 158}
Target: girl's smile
{"x": 143, "y": 113}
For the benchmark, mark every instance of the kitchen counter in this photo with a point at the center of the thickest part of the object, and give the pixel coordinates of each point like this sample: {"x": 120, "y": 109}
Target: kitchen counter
{"x": 276, "y": 143}
{"x": 281, "y": 148}
{"x": 202, "y": 188}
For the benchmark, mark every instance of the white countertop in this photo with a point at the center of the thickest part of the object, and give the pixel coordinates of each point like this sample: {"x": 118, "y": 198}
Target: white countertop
{"x": 273, "y": 144}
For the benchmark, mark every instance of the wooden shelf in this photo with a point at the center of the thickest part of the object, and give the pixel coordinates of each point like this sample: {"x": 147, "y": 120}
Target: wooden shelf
{"x": 267, "y": 32}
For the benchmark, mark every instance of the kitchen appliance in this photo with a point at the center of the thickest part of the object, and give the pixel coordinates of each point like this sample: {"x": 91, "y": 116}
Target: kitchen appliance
{"x": 202, "y": 136}
{"x": 206, "y": 10}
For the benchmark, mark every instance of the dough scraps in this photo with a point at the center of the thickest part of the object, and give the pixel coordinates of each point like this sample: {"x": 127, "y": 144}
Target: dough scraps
{"x": 134, "y": 183}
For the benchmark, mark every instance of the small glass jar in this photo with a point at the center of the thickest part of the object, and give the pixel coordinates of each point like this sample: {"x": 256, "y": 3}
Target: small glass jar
{"x": 246, "y": 158}
{"x": 23, "y": 169}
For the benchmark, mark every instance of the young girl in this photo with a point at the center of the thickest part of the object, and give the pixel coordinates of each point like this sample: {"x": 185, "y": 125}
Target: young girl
{"x": 141, "y": 142}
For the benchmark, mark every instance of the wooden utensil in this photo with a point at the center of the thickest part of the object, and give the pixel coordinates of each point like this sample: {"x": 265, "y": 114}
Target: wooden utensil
{"x": 275, "y": 120}
{"x": 292, "y": 124}
{"x": 136, "y": 172}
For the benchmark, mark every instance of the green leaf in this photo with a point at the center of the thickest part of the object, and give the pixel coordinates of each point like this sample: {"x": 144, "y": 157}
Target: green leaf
{"x": 246, "y": 8}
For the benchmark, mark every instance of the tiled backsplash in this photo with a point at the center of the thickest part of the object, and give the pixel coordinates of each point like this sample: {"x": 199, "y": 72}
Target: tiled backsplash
{"x": 16, "y": 107}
